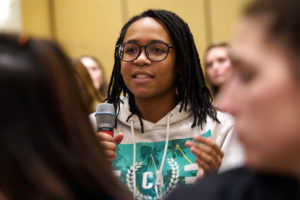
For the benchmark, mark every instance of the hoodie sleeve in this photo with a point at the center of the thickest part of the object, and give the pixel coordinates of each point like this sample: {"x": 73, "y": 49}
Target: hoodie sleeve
{"x": 226, "y": 138}
{"x": 93, "y": 121}
{"x": 233, "y": 152}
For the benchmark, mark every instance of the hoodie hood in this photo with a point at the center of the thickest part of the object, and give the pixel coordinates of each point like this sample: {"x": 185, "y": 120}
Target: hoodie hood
{"x": 175, "y": 117}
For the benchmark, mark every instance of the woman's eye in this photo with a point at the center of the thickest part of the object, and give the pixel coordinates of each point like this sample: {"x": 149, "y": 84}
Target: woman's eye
{"x": 208, "y": 65}
{"x": 157, "y": 50}
{"x": 131, "y": 50}
{"x": 221, "y": 60}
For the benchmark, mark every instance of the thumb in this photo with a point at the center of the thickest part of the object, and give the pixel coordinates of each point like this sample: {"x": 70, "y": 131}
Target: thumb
{"x": 118, "y": 138}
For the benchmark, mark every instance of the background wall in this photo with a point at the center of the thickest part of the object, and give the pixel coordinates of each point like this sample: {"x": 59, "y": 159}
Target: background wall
{"x": 36, "y": 18}
{"x": 92, "y": 26}
{"x": 10, "y": 16}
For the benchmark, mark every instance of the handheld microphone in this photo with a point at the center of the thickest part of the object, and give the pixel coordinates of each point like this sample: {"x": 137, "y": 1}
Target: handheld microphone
{"x": 105, "y": 118}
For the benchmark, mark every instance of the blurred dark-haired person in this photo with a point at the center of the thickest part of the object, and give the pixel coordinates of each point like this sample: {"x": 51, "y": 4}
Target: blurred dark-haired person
{"x": 166, "y": 105}
{"x": 264, "y": 97}
{"x": 218, "y": 66}
{"x": 47, "y": 146}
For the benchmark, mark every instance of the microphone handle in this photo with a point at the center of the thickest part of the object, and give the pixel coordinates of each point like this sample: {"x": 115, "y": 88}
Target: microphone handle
{"x": 109, "y": 131}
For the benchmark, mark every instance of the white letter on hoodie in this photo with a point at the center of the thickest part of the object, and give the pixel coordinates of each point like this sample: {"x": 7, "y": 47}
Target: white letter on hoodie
{"x": 145, "y": 178}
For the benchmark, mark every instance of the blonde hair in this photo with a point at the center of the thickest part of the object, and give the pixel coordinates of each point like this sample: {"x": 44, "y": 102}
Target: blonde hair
{"x": 90, "y": 94}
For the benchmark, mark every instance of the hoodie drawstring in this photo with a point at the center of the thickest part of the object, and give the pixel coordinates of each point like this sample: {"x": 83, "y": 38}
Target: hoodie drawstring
{"x": 134, "y": 158}
{"x": 159, "y": 177}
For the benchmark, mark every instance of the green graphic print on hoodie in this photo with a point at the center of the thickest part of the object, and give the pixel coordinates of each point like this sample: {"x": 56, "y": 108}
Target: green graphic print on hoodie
{"x": 153, "y": 180}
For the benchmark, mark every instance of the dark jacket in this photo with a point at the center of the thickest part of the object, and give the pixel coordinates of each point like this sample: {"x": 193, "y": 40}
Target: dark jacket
{"x": 240, "y": 184}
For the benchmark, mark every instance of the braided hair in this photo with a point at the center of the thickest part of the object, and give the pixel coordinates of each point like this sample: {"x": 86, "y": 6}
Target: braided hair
{"x": 190, "y": 83}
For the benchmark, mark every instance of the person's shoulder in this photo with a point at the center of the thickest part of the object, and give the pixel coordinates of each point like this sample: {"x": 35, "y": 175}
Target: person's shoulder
{"x": 221, "y": 127}
{"x": 213, "y": 186}
{"x": 223, "y": 182}
{"x": 241, "y": 184}
{"x": 224, "y": 117}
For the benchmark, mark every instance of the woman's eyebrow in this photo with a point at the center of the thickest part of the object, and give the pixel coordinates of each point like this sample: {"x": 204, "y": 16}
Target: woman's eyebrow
{"x": 136, "y": 41}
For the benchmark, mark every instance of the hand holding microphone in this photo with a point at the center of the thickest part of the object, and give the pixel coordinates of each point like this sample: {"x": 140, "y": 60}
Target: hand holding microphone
{"x": 105, "y": 119}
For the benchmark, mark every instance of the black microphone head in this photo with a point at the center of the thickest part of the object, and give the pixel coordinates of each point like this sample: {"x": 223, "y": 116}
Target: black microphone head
{"x": 105, "y": 117}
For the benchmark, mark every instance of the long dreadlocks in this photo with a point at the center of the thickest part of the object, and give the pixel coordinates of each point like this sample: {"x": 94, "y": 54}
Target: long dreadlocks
{"x": 190, "y": 82}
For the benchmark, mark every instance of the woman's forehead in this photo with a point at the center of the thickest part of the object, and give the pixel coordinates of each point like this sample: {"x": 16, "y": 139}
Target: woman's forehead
{"x": 147, "y": 28}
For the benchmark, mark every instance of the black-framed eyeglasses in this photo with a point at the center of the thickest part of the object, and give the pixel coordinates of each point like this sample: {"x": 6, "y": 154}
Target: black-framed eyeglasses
{"x": 155, "y": 51}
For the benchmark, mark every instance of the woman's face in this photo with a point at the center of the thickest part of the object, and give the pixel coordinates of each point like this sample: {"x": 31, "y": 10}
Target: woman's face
{"x": 94, "y": 71}
{"x": 264, "y": 97}
{"x": 145, "y": 78}
{"x": 217, "y": 65}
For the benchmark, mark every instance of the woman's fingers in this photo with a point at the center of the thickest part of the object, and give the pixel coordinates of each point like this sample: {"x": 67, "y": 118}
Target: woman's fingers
{"x": 110, "y": 155}
{"x": 209, "y": 155}
{"x": 210, "y": 143}
{"x": 109, "y": 144}
{"x": 118, "y": 138}
{"x": 104, "y": 137}
{"x": 202, "y": 164}
{"x": 209, "y": 159}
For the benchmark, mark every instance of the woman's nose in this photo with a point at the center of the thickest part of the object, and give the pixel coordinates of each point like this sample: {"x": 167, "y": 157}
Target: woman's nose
{"x": 142, "y": 59}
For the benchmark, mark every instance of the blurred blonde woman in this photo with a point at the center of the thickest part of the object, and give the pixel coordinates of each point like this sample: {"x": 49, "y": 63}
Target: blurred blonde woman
{"x": 91, "y": 95}
{"x": 97, "y": 73}
{"x": 218, "y": 66}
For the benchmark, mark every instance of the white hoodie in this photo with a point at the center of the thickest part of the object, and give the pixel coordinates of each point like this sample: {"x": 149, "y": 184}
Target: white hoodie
{"x": 159, "y": 156}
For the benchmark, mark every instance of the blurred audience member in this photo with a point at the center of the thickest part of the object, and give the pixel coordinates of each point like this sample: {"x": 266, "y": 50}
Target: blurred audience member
{"x": 97, "y": 73}
{"x": 264, "y": 97}
{"x": 48, "y": 149}
{"x": 92, "y": 97}
{"x": 218, "y": 67}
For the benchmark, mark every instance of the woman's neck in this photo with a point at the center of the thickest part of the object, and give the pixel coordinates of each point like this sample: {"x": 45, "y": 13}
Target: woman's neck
{"x": 153, "y": 109}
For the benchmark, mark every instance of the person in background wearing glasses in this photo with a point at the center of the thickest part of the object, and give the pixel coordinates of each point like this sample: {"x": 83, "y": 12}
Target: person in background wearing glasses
{"x": 166, "y": 111}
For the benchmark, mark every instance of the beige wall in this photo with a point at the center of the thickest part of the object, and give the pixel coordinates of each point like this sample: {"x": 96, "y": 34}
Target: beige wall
{"x": 89, "y": 27}
{"x": 92, "y": 26}
{"x": 224, "y": 16}
{"x": 36, "y": 18}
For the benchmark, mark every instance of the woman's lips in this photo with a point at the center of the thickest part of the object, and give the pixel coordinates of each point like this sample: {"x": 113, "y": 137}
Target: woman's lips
{"x": 142, "y": 77}
{"x": 142, "y": 74}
